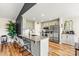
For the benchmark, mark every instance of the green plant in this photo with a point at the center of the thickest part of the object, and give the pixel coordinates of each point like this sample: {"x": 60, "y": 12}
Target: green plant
{"x": 11, "y": 28}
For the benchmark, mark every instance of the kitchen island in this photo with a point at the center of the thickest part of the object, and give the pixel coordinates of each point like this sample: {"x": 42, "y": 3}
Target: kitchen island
{"x": 39, "y": 45}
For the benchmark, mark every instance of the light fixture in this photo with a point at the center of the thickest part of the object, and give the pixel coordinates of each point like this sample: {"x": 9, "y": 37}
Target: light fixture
{"x": 42, "y": 15}
{"x": 34, "y": 18}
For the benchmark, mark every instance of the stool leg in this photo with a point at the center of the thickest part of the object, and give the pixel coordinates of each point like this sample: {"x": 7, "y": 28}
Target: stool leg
{"x": 75, "y": 52}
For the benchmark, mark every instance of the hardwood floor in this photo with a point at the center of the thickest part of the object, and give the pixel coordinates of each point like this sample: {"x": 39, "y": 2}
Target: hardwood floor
{"x": 10, "y": 50}
{"x": 54, "y": 50}
{"x": 61, "y": 49}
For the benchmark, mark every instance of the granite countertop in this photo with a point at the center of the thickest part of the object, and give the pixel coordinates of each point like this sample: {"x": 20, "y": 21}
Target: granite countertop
{"x": 34, "y": 38}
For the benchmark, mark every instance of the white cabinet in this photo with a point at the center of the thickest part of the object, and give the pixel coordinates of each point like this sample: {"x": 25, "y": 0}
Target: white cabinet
{"x": 49, "y": 23}
{"x": 68, "y": 39}
{"x": 39, "y": 48}
{"x": 71, "y": 39}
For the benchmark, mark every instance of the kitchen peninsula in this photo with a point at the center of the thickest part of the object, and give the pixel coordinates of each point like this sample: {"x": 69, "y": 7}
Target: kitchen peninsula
{"x": 39, "y": 45}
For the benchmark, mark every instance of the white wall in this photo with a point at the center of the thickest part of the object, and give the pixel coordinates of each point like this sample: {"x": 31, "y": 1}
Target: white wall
{"x": 3, "y": 26}
{"x": 76, "y": 28}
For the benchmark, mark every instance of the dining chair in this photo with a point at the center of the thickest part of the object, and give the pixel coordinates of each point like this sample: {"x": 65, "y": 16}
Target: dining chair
{"x": 4, "y": 39}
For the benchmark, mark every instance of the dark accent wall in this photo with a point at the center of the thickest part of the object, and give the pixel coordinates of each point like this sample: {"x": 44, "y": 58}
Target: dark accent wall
{"x": 19, "y": 19}
{"x": 18, "y": 25}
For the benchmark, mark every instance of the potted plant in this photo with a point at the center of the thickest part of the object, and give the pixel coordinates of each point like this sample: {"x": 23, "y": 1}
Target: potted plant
{"x": 11, "y": 28}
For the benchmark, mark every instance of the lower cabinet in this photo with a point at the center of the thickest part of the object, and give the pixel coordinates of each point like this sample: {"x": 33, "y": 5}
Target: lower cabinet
{"x": 39, "y": 48}
{"x": 68, "y": 39}
{"x": 35, "y": 48}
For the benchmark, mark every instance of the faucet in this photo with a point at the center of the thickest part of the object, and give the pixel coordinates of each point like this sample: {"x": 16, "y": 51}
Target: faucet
{"x": 30, "y": 30}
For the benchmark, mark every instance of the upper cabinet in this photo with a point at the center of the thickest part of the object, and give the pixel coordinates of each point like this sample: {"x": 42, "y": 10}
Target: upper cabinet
{"x": 49, "y": 23}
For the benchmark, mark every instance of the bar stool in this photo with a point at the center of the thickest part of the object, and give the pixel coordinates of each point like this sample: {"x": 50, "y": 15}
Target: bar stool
{"x": 24, "y": 44}
{"x": 76, "y": 48}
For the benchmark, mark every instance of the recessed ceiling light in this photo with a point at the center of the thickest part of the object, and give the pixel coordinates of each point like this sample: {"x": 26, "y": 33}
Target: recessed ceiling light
{"x": 42, "y": 15}
{"x": 34, "y": 18}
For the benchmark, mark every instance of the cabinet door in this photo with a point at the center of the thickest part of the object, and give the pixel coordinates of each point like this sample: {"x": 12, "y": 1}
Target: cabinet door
{"x": 66, "y": 39}
{"x": 44, "y": 47}
{"x": 71, "y": 40}
{"x": 63, "y": 38}
{"x": 35, "y": 48}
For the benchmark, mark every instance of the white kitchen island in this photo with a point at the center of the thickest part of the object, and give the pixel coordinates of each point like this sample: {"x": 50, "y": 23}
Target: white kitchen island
{"x": 39, "y": 45}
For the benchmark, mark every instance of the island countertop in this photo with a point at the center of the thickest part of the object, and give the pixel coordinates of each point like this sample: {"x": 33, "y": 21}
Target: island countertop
{"x": 34, "y": 38}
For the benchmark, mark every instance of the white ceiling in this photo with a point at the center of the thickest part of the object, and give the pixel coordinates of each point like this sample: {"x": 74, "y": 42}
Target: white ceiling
{"x": 48, "y": 11}
{"x": 10, "y": 10}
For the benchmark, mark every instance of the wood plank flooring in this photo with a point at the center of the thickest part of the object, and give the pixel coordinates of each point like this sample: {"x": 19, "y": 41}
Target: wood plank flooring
{"x": 54, "y": 50}
{"x": 61, "y": 49}
{"x": 10, "y": 50}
